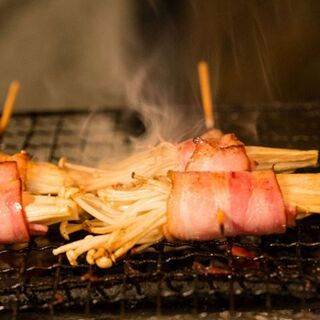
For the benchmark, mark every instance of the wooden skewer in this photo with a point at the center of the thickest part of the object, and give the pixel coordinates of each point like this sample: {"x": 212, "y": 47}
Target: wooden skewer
{"x": 204, "y": 80}
{"x": 221, "y": 218}
{"x": 8, "y": 105}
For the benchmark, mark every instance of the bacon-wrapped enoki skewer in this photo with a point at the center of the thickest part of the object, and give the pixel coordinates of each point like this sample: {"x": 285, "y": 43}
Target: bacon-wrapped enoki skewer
{"x": 39, "y": 177}
{"x": 188, "y": 206}
{"x": 166, "y": 156}
{"x": 46, "y": 178}
{"x": 137, "y": 212}
{"x": 191, "y": 205}
{"x": 251, "y": 204}
{"x": 23, "y": 213}
{"x": 13, "y": 225}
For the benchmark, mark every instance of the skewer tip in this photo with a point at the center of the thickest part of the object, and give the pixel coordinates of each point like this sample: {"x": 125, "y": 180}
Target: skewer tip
{"x": 221, "y": 220}
{"x": 205, "y": 88}
{"x": 9, "y": 104}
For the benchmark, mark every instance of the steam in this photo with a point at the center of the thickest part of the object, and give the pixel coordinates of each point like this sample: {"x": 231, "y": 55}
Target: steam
{"x": 155, "y": 90}
{"x": 163, "y": 120}
{"x": 252, "y": 49}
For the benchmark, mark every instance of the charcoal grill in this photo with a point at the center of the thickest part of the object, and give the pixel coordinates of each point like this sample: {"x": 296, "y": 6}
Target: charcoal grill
{"x": 170, "y": 278}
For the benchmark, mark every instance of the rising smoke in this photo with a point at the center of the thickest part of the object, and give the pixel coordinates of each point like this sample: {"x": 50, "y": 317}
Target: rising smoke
{"x": 143, "y": 55}
{"x": 260, "y": 53}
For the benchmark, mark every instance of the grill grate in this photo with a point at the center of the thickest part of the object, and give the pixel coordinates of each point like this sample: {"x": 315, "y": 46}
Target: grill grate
{"x": 178, "y": 277}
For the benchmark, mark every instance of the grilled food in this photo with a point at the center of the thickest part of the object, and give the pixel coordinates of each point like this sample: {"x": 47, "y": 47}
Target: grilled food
{"x": 166, "y": 156}
{"x": 198, "y": 190}
{"x": 14, "y": 226}
{"x": 23, "y": 213}
{"x": 212, "y": 196}
{"x": 251, "y": 204}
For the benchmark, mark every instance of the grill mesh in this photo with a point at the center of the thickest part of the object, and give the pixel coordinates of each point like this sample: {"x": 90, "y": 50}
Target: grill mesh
{"x": 169, "y": 277}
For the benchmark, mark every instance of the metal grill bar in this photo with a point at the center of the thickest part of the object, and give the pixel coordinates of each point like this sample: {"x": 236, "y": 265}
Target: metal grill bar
{"x": 231, "y": 280}
{"x": 284, "y": 273}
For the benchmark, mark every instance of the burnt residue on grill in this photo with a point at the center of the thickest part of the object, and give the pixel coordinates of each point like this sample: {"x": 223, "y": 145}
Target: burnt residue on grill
{"x": 237, "y": 274}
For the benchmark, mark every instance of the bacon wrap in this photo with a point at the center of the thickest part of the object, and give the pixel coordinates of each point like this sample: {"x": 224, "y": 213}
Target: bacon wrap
{"x": 13, "y": 226}
{"x": 251, "y": 201}
{"x": 185, "y": 151}
{"x": 21, "y": 160}
{"x": 187, "y": 147}
{"x": 227, "y": 154}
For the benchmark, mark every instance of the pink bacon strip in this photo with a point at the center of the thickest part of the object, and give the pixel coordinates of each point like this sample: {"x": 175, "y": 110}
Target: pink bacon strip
{"x": 21, "y": 159}
{"x": 227, "y": 154}
{"x": 214, "y": 152}
{"x": 8, "y": 171}
{"x": 187, "y": 148}
{"x": 13, "y": 226}
{"x": 252, "y": 203}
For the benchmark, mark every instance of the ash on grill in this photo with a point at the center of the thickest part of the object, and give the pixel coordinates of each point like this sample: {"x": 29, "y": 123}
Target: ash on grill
{"x": 242, "y": 273}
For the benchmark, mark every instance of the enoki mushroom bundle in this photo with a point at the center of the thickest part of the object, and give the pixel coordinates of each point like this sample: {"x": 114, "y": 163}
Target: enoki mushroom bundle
{"x": 123, "y": 217}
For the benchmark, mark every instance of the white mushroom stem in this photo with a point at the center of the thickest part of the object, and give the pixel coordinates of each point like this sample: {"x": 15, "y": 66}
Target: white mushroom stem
{"x": 157, "y": 161}
{"x": 67, "y": 228}
{"x": 282, "y": 160}
{"x": 97, "y": 208}
{"x": 46, "y": 178}
{"x": 50, "y": 209}
{"x": 152, "y": 162}
{"x": 122, "y": 224}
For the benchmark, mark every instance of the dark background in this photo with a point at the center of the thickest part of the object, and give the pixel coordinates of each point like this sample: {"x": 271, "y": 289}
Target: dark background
{"x": 84, "y": 53}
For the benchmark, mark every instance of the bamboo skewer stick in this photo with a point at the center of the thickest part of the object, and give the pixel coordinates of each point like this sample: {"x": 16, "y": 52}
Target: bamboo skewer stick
{"x": 204, "y": 80}
{"x": 8, "y": 105}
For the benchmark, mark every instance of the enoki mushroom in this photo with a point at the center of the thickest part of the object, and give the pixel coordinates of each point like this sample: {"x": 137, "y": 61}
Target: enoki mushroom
{"x": 159, "y": 160}
{"x": 128, "y": 214}
{"x": 50, "y": 209}
{"x": 156, "y": 161}
{"x": 123, "y": 217}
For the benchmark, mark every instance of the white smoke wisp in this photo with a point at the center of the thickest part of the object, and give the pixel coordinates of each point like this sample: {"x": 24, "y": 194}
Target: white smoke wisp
{"x": 164, "y": 120}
